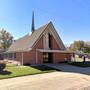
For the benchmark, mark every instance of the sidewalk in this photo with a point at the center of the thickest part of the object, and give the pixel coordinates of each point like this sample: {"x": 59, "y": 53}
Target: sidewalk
{"x": 47, "y": 81}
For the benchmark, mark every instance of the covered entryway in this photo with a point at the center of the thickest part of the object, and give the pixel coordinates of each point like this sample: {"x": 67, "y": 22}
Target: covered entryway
{"x": 55, "y": 56}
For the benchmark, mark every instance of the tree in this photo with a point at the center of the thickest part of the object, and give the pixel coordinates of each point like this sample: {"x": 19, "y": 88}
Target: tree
{"x": 87, "y": 49}
{"x": 6, "y": 39}
{"x": 78, "y": 45}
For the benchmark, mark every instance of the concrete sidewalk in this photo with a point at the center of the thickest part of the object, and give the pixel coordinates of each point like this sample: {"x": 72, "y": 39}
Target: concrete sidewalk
{"x": 48, "y": 81}
{"x": 62, "y": 80}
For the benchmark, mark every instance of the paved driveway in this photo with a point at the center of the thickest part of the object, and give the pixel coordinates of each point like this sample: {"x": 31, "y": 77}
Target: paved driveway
{"x": 70, "y": 78}
{"x": 64, "y": 67}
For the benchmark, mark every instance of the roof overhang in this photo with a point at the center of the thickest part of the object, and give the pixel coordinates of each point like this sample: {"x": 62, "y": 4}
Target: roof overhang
{"x": 19, "y": 50}
{"x": 54, "y": 51}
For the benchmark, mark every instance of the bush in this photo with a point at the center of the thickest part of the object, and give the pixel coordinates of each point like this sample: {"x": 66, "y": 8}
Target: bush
{"x": 89, "y": 57}
{"x": 27, "y": 64}
{"x": 2, "y": 66}
{"x": 81, "y": 64}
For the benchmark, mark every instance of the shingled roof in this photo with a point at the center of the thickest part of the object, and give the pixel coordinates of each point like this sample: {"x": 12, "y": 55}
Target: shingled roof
{"x": 26, "y": 43}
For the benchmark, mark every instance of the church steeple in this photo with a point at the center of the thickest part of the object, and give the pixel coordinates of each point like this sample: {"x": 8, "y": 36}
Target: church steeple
{"x": 32, "y": 27}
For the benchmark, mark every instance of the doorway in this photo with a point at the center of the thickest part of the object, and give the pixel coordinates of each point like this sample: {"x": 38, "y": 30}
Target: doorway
{"x": 47, "y": 57}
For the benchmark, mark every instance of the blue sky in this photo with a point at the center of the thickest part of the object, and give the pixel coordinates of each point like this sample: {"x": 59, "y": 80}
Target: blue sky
{"x": 71, "y": 18}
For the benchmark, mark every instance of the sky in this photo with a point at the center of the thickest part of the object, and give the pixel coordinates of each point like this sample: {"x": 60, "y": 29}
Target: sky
{"x": 71, "y": 18}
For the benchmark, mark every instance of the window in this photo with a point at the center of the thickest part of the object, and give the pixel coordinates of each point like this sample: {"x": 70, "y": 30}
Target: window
{"x": 50, "y": 42}
{"x": 5, "y": 55}
{"x": 10, "y": 55}
{"x": 14, "y": 55}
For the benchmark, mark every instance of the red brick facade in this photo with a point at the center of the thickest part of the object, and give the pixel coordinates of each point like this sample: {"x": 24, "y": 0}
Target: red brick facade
{"x": 54, "y": 44}
{"x": 59, "y": 57}
{"x": 30, "y": 57}
{"x": 36, "y": 57}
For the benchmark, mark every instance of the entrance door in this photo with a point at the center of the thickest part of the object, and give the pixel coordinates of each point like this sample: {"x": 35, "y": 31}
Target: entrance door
{"x": 47, "y": 58}
{"x": 50, "y": 58}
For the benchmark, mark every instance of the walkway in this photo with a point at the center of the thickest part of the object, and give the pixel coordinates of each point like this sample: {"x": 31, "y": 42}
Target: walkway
{"x": 70, "y": 78}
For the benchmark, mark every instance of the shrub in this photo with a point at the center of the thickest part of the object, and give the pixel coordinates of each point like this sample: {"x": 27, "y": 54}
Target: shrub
{"x": 2, "y": 66}
{"x": 89, "y": 57}
{"x": 27, "y": 64}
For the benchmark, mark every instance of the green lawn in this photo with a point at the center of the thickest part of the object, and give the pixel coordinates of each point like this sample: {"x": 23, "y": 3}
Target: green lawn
{"x": 15, "y": 71}
{"x": 79, "y": 62}
{"x": 79, "y": 59}
{"x": 10, "y": 65}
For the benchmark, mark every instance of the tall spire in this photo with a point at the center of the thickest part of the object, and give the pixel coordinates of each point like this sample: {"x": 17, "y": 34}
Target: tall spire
{"x": 32, "y": 27}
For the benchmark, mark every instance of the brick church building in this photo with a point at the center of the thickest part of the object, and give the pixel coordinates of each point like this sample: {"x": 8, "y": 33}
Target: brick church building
{"x": 41, "y": 46}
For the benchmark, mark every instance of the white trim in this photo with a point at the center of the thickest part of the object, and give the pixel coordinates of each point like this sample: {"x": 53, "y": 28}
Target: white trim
{"x": 57, "y": 37}
{"x": 45, "y": 41}
{"x": 40, "y": 36}
{"x": 13, "y": 56}
{"x": 22, "y": 58}
{"x": 55, "y": 34}
{"x": 18, "y": 51}
{"x": 54, "y": 51}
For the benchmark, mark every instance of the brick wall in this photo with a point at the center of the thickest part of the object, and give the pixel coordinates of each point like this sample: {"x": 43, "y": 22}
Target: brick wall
{"x": 60, "y": 57}
{"x": 54, "y": 44}
{"x": 30, "y": 57}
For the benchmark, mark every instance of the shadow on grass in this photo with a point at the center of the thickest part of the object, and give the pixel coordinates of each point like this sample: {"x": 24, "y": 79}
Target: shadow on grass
{"x": 44, "y": 68}
{"x": 5, "y": 72}
{"x": 80, "y": 64}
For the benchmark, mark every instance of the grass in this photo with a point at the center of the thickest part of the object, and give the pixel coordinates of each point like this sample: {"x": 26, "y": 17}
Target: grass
{"x": 10, "y": 65}
{"x": 81, "y": 64}
{"x": 79, "y": 59}
{"x": 16, "y": 71}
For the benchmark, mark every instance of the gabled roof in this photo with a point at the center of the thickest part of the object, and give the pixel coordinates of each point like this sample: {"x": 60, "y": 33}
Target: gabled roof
{"x": 28, "y": 41}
